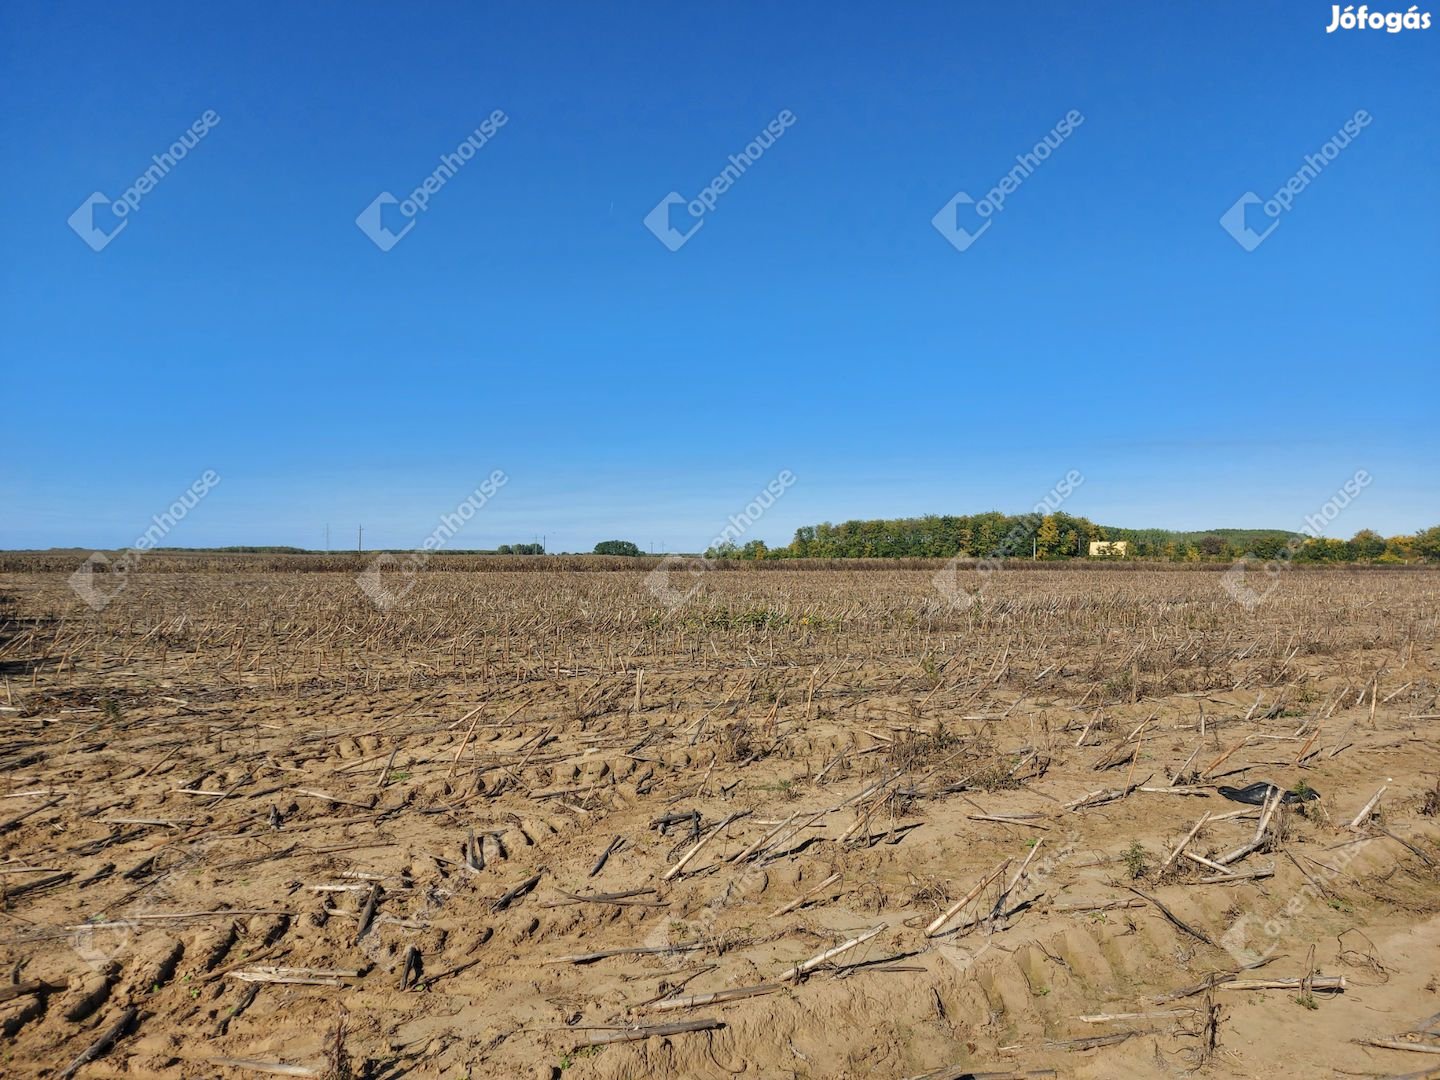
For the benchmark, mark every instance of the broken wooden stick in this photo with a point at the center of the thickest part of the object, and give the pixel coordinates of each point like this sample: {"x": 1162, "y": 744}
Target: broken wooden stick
{"x": 517, "y": 892}
{"x": 410, "y": 966}
{"x": 590, "y": 958}
{"x": 297, "y": 976}
{"x": 627, "y": 898}
{"x": 955, "y": 908}
{"x": 1188, "y": 837}
{"x": 793, "y": 904}
{"x": 1222, "y": 759}
{"x": 1172, "y": 917}
{"x": 634, "y": 1034}
{"x": 999, "y": 908}
{"x": 468, "y": 734}
{"x": 1180, "y": 773}
{"x": 1107, "y": 1018}
{"x": 1096, "y": 905}
{"x": 103, "y": 1044}
{"x": 1099, "y": 798}
{"x": 605, "y": 856}
{"x": 274, "y": 1068}
{"x": 820, "y": 958}
{"x": 1009, "y": 820}
{"x": 1401, "y": 1044}
{"x": 733, "y": 994}
{"x": 1272, "y": 803}
{"x": 1205, "y": 862}
{"x": 367, "y": 913}
{"x": 1305, "y": 750}
{"x": 1367, "y": 809}
{"x": 1333, "y": 984}
{"x": 1228, "y": 878}
{"x": 759, "y": 844}
{"x": 701, "y": 843}
{"x": 964, "y": 1072}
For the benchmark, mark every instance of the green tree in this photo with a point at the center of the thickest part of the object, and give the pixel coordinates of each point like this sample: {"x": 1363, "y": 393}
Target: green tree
{"x": 1268, "y": 546}
{"x": 1213, "y": 547}
{"x": 987, "y": 530}
{"x": 1323, "y": 549}
{"x": 804, "y": 543}
{"x": 617, "y": 547}
{"x": 1427, "y": 543}
{"x": 1366, "y": 544}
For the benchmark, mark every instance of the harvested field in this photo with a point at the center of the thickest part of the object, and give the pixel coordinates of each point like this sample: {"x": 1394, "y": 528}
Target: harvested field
{"x": 807, "y": 823}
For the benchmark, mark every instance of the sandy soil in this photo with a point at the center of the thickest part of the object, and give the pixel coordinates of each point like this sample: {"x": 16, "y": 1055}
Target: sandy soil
{"x": 227, "y": 775}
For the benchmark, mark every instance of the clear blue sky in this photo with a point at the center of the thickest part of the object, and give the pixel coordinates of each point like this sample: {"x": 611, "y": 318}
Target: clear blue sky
{"x": 817, "y": 322}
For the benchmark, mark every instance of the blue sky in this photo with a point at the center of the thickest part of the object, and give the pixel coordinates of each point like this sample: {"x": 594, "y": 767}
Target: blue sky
{"x": 817, "y": 322}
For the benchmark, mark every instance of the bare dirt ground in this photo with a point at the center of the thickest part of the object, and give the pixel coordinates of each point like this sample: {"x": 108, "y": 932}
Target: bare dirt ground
{"x": 251, "y": 824}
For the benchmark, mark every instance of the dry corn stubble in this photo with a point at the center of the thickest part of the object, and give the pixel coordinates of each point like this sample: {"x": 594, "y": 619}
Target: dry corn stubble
{"x": 323, "y": 753}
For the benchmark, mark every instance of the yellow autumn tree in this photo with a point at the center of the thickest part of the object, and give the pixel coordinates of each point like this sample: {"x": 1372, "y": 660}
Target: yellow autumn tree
{"x": 1047, "y": 537}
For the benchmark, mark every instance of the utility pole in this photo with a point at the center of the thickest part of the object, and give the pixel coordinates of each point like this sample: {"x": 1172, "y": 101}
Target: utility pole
{"x": 360, "y": 539}
{"x": 327, "y": 536}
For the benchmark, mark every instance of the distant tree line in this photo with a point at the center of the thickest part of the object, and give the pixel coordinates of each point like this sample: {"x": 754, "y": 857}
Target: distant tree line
{"x": 244, "y": 549}
{"x": 1064, "y": 536}
{"x": 520, "y": 549}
